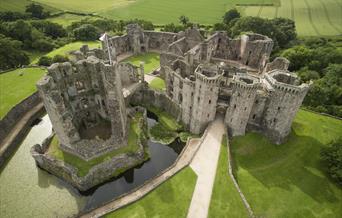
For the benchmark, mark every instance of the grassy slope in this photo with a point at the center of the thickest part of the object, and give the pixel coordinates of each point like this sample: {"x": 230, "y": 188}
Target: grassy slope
{"x": 171, "y": 199}
{"x": 166, "y": 119}
{"x": 15, "y": 88}
{"x": 225, "y": 200}
{"x": 84, "y": 166}
{"x": 64, "y": 50}
{"x": 20, "y": 5}
{"x": 151, "y": 61}
{"x": 67, "y": 19}
{"x": 157, "y": 84}
{"x": 287, "y": 180}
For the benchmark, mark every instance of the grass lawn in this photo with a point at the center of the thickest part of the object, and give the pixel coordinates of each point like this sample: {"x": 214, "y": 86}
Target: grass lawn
{"x": 150, "y": 59}
{"x": 66, "y": 49}
{"x": 225, "y": 200}
{"x": 157, "y": 84}
{"x": 288, "y": 180}
{"x": 84, "y": 166}
{"x": 15, "y": 88}
{"x": 171, "y": 199}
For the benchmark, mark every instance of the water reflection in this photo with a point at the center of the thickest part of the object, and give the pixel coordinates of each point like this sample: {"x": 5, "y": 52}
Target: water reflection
{"x": 26, "y": 190}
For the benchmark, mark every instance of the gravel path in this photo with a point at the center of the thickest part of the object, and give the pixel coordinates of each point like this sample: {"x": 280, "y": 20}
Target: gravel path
{"x": 204, "y": 164}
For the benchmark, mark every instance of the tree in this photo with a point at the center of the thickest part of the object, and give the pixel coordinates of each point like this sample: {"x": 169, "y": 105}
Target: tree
{"x": 36, "y": 11}
{"x": 50, "y": 29}
{"x": 45, "y": 61}
{"x": 231, "y": 15}
{"x": 7, "y": 16}
{"x": 220, "y": 27}
{"x": 43, "y": 45}
{"x": 183, "y": 20}
{"x": 332, "y": 157}
{"x": 86, "y": 32}
{"x": 19, "y": 30}
{"x": 299, "y": 56}
{"x": 306, "y": 75}
{"x": 11, "y": 55}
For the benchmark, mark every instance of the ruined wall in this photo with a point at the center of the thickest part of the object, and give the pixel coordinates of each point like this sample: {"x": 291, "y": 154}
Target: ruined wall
{"x": 241, "y": 102}
{"x": 278, "y": 63}
{"x": 160, "y": 40}
{"x": 118, "y": 45}
{"x": 149, "y": 97}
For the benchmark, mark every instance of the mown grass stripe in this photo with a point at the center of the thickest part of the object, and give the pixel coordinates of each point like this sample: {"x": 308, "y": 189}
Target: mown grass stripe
{"x": 292, "y": 10}
{"x": 260, "y": 9}
{"x": 328, "y": 17}
{"x": 310, "y": 17}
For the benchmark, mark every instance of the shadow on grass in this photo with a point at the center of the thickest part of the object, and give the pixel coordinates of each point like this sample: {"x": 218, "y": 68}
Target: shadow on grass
{"x": 295, "y": 163}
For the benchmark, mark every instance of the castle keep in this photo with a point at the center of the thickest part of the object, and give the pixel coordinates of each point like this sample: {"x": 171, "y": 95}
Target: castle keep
{"x": 220, "y": 75}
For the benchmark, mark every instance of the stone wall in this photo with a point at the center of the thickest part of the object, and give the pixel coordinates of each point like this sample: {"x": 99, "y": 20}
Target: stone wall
{"x": 149, "y": 97}
{"x": 16, "y": 113}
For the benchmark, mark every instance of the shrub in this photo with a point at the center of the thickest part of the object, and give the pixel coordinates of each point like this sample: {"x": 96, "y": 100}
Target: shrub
{"x": 332, "y": 157}
{"x": 45, "y": 61}
{"x": 60, "y": 59}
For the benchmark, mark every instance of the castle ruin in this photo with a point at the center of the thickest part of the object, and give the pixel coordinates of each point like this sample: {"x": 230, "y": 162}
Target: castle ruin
{"x": 89, "y": 100}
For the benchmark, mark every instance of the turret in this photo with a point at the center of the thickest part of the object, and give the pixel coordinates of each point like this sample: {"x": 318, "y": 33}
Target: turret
{"x": 286, "y": 95}
{"x": 244, "y": 89}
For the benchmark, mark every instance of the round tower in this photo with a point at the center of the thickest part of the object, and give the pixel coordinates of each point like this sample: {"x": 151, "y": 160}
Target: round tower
{"x": 207, "y": 80}
{"x": 285, "y": 97}
{"x": 244, "y": 90}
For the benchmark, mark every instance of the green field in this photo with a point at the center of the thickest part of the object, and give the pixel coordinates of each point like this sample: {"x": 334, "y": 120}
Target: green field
{"x": 171, "y": 199}
{"x": 225, "y": 200}
{"x": 15, "y": 88}
{"x": 67, "y": 19}
{"x": 313, "y": 17}
{"x": 19, "y": 5}
{"x": 66, "y": 49}
{"x": 150, "y": 59}
{"x": 288, "y": 180}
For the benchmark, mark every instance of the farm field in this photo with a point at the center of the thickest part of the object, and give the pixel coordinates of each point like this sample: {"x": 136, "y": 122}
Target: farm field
{"x": 17, "y": 85}
{"x": 287, "y": 180}
{"x": 19, "y": 5}
{"x": 67, "y": 19}
{"x": 313, "y": 17}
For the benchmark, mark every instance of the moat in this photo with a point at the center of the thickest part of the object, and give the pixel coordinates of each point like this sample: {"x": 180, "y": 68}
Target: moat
{"x": 41, "y": 194}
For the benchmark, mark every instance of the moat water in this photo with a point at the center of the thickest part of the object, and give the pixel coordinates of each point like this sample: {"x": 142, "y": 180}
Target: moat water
{"x": 27, "y": 191}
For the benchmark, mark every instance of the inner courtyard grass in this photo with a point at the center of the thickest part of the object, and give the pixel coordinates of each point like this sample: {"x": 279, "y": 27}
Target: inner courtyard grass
{"x": 151, "y": 61}
{"x": 288, "y": 180}
{"x": 171, "y": 199}
{"x": 157, "y": 84}
{"x": 84, "y": 166}
{"x": 66, "y": 49}
{"x": 17, "y": 85}
{"x": 225, "y": 200}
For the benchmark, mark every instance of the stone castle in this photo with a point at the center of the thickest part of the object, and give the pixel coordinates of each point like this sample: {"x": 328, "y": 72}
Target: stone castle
{"x": 89, "y": 100}
{"x": 220, "y": 75}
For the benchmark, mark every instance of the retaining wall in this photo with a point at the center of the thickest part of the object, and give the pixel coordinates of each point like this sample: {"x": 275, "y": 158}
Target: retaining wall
{"x": 16, "y": 114}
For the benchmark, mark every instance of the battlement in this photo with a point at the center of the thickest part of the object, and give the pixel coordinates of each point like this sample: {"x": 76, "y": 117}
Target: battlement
{"x": 246, "y": 81}
{"x": 285, "y": 81}
{"x": 208, "y": 74}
